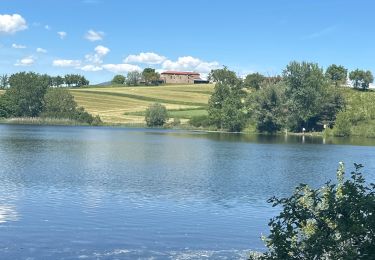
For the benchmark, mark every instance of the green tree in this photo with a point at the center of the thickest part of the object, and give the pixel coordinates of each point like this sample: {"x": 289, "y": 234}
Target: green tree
{"x": 25, "y": 96}
{"x": 133, "y": 78}
{"x": 225, "y": 76}
{"x": 59, "y": 81}
{"x": 233, "y": 117}
{"x": 268, "y": 107}
{"x": 337, "y": 74}
{"x": 305, "y": 88}
{"x": 361, "y": 78}
{"x": 225, "y": 107}
{"x": 4, "y": 81}
{"x": 336, "y": 221}
{"x": 59, "y": 103}
{"x": 118, "y": 79}
{"x": 150, "y": 76}
{"x": 254, "y": 80}
{"x": 156, "y": 115}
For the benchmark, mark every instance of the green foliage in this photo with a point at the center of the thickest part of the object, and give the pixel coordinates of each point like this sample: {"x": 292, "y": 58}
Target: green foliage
{"x": 150, "y": 76}
{"x": 337, "y": 74}
{"x": 342, "y": 125}
{"x": 200, "y": 121}
{"x": 267, "y": 107}
{"x": 225, "y": 107}
{"x": 254, "y": 81}
{"x": 336, "y": 221}
{"x": 25, "y": 97}
{"x": 118, "y": 79}
{"x": 4, "y": 81}
{"x": 75, "y": 80}
{"x": 233, "y": 117}
{"x": 361, "y": 78}
{"x": 133, "y": 78}
{"x": 156, "y": 115}
{"x": 305, "y": 91}
{"x": 59, "y": 103}
{"x": 225, "y": 77}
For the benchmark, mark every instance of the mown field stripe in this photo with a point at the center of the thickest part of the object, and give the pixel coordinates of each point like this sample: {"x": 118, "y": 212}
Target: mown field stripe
{"x": 144, "y": 98}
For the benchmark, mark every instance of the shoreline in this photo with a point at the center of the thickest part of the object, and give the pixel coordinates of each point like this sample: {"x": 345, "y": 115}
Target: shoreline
{"x": 69, "y": 122}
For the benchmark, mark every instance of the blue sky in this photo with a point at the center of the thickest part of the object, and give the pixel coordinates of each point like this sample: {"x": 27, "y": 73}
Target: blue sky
{"x": 100, "y": 38}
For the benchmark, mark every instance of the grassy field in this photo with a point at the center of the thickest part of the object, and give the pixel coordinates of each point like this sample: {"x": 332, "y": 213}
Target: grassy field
{"x": 127, "y": 105}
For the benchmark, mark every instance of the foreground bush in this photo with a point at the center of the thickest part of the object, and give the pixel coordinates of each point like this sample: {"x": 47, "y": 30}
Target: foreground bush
{"x": 336, "y": 221}
{"x": 156, "y": 115}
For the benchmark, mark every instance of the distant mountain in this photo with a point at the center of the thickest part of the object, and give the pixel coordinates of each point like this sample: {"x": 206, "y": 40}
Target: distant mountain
{"x": 107, "y": 83}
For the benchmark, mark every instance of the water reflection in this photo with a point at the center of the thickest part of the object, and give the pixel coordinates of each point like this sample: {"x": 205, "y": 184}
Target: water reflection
{"x": 100, "y": 189}
{"x": 8, "y": 213}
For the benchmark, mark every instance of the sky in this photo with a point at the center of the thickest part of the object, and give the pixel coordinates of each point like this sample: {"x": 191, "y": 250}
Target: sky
{"x": 102, "y": 38}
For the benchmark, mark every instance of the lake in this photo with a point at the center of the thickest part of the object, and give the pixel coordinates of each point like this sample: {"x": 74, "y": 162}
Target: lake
{"x": 114, "y": 193}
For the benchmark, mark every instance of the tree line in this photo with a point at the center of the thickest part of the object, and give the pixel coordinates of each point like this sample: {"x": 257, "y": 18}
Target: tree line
{"x": 31, "y": 95}
{"x": 303, "y": 97}
{"x": 69, "y": 80}
{"x": 148, "y": 77}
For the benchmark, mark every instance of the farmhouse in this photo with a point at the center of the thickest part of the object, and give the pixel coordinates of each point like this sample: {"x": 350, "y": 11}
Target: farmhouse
{"x": 179, "y": 77}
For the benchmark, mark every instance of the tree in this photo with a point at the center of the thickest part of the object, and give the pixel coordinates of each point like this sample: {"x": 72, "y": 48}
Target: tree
{"x": 233, "y": 117}
{"x": 59, "y": 81}
{"x": 268, "y": 107}
{"x": 336, "y": 221}
{"x": 305, "y": 88}
{"x": 361, "y": 78}
{"x": 133, "y": 78}
{"x": 225, "y": 107}
{"x": 59, "y": 103}
{"x": 336, "y": 74}
{"x": 150, "y": 76}
{"x": 225, "y": 76}
{"x": 25, "y": 97}
{"x": 4, "y": 81}
{"x": 254, "y": 80}
{"x": 118, "y": 79}
{"x": 156, "y": 115}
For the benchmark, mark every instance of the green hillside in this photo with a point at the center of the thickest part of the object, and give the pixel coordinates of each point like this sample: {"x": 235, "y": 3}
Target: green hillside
{"x": 126, "y": 105}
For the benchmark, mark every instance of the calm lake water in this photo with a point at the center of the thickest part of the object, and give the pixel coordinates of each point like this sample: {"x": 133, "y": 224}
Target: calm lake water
{"x": 111, "y": 193}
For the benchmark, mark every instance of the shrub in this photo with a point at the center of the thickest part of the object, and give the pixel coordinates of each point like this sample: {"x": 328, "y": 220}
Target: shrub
{"x": 342, "y": 125}
{"x": 199, "y": 121}
{"x": 336, "y": 221}
{"x": 156, "y": 115}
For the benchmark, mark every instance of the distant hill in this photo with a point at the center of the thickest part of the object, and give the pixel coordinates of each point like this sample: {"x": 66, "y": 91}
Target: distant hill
{"x": 107, "y": 83}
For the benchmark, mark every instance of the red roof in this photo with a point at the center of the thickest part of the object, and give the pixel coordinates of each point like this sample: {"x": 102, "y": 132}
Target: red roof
{"x": 179, "y": 72}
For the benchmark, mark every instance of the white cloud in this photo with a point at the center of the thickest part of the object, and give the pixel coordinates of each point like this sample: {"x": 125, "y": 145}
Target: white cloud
{"x": 27, "y": 61}
{"x": 93, "y": 36}
{"x": 91, "y": 68}
{"x": 66, "y": 63}
{"x": 18, "y": 46}
{"x": 47, "y": 27}
{"x": 62, "y": 35}
{"x": 101, "y": 50}
{"x": 120, "y": 68}
{"x": 97, "y": 57}
{"x": 41, "y": 50}
{"x": 12, "y": 23}
{"x": 145, "y": 57}
{"x": 191, "y": 64}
